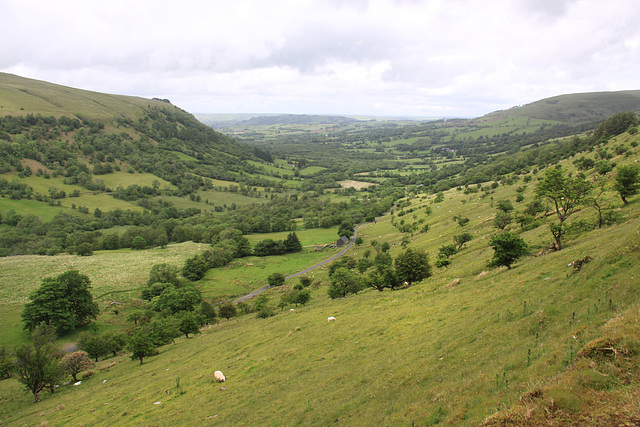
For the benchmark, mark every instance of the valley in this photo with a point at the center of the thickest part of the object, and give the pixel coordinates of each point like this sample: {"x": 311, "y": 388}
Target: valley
{"x": 431, "y": 327}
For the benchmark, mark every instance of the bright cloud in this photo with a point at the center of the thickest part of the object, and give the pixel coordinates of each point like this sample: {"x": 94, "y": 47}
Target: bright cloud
{"x": 382, "y": 57}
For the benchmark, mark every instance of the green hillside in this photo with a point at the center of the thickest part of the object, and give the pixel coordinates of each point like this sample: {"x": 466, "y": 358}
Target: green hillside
{"x": 172, "y": 221}
{"x": 576, "y": 108}
{"x": 20, "y": 96}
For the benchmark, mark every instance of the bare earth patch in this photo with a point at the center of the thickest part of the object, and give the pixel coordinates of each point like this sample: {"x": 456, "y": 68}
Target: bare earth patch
{"x": 355, "y": 184}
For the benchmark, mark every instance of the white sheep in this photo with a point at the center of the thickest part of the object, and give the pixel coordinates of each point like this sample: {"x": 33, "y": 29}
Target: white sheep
{"x": 219, "y": 376}
{"x": 331, "y": 319}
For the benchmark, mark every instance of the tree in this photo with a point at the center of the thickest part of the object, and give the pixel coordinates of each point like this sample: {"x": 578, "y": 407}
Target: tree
{"x": 305, "y": 281}
{"x": 292, "y": 243}
{"x": 508, "y": 247}
{"x": 447, "y": 251}
{"x": 227, "y": 310}
{"x": 207, "y": 312}
{"x": 276, "y": 279}
{"x": 627, "y": 181}
{"x": 302, "y": 297}
{"x": 268, "y": 247}
{"x": 141, "y": 345}
{"x": 412, "y": 265}
{"x": 505, "y": 206}
{"x": 84, "y": 249}
{"x": 566, "y": 193}
{"x": 189, "y": 324}
{"x": 346, "y": 229}
{"x": 6, "y": 363}
{"x": 75, "y": 362}
{"x": 111, "y": 242}
{"x": 343, "y": 282}
{"x": 162, "y": 240}
{"x": 164, "y": 273}
{"x": 460, "y": 239}
{"x": 64, "y": 302}
{"x": 174, "y": 299}
{"x": 502, "y": 219}
{"x": 114, "y": 342}
{"x": 384, "y": 276}
{"x": 195, "y": 268}
{"x": 138, "y": 243}
{"x": 35, "y": 365}
{"x": 94, "y": 345}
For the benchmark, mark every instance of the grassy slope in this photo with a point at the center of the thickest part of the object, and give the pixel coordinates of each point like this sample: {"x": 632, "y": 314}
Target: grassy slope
{"x": 21, "y": 96}
{"x": 577, "y": 108}
{"x": 119, "y": 273}
{"x": 431, "y": 353}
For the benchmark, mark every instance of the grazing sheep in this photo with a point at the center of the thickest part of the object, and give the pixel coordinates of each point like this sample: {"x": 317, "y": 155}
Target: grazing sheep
{"x": 219, "y": 376}
{"x": 331, "y": 319}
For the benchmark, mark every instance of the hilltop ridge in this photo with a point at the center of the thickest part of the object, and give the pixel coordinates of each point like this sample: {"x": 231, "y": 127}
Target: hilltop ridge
{"x": 577, "y": 108}
{"x": 21, "y": 96}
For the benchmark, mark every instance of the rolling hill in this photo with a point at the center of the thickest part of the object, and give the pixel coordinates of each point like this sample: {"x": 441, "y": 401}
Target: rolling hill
{"x": 576, "y": 108}
{"x": 21, "y": 96}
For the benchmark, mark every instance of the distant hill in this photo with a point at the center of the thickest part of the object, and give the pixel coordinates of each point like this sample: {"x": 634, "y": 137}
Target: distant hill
{"x": 219, "y": 121}
{"x": 20, "y": 96}
{"x": 576, "y": 108}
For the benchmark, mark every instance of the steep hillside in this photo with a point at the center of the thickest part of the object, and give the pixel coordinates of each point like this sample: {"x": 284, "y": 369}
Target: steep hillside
{"x": 21, "y": 96}
{"x": 576, "y": 108}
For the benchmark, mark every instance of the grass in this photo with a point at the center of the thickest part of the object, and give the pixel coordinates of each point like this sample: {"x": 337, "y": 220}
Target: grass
{"x": 103, "y": 201}
{"x": 30, "y": 207}
{"x": 307, "y": 237}
{"x": 21, "y": 96}
{"x": 439, "y": 352}
{"x": 124, "y": 179}
{"x": 118, "y": 273}
{"x": 245, "y": 275}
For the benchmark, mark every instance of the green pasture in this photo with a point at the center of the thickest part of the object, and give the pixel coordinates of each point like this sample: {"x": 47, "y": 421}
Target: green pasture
{"x": 431, "y": 354}
{"x": 245, "y": 275}
{"x": 184, "y": 157}
{"x": 218, "y": 198}
{"x": 41, "y": 185}
{"x": 269, "y": 168}
{"x": 124, "y": 179}
{"x": 30, "y": 207}
{"x": 103, "y": 201}
{"x": 307, "y": 236}
{"x": 311, "y": 170}
{"x": 115, "y": 275}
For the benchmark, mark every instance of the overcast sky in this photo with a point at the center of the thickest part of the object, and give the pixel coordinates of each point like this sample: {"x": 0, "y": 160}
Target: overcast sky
{"x": 459, "y": 58}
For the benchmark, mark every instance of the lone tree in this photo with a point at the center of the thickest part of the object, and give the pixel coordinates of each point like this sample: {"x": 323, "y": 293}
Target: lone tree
{"x": 75, "y": 362}
{"x": 276, "y": 279}
{"x": 292, "y": 243}
{"x": 627, "y": 181}
{"x": 227, "y": 310}
{"x": 412, "y": 266}
{"x": 460, "y": 239}
{"x": 63, "y": 302}
{"x": 508, "y": 247}
{"x": 566, "y": 193}
{"x": 343, "y": 282}
{"x": 141, "y": 345}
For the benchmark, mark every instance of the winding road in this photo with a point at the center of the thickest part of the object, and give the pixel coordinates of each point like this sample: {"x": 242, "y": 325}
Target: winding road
{"x": 306, "y": 270}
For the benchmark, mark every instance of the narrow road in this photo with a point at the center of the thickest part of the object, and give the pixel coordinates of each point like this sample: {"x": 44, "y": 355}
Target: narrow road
{"x": 306, "y": 270}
